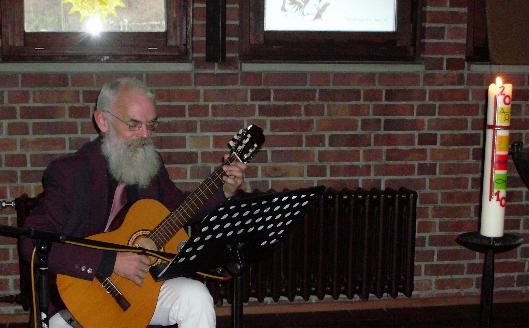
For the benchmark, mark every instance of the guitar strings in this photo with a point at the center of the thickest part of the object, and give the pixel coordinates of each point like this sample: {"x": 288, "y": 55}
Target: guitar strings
{"x": 177, "y": 219}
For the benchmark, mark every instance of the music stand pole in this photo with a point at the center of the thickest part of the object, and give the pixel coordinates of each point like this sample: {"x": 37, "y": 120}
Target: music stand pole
{"x": 43, "y": 249}
{"x": 236, "y": 269}
{"x": 238, "y": 232}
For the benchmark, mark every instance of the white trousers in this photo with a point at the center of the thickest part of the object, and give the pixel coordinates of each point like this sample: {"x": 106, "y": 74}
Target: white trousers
{"x": 184, "y": 301}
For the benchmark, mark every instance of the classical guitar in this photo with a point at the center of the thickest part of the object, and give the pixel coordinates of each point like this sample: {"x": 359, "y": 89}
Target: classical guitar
{"x": 117, "y": 301}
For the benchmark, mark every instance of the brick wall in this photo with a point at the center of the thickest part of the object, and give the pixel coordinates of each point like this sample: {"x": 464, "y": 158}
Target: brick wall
{"x": 373, "y": 125}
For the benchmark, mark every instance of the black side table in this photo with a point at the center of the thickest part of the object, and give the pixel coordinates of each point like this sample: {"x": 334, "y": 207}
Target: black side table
{"x": 490, "y": 246}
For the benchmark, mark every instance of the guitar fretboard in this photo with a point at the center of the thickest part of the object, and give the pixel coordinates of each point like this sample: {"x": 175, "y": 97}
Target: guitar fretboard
{"x": 168, "y": 228}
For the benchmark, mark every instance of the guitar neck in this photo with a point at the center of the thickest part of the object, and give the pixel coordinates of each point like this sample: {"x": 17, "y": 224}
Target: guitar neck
{"x": 177, "y": 219}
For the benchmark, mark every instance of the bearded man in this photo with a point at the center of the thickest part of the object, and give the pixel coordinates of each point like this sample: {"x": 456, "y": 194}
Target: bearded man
{"x": 80, "y": 199}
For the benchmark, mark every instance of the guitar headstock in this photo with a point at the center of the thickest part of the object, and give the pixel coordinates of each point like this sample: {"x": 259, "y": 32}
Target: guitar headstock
{"x": 247, "y": 142}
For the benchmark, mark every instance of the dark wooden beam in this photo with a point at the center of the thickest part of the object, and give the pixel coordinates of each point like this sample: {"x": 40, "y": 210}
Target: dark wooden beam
{"x": 216, "y": 31}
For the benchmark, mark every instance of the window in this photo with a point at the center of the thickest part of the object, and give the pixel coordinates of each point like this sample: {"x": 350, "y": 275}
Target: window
{"x": 132, "y": 31}
{"x": 320, "y": 30}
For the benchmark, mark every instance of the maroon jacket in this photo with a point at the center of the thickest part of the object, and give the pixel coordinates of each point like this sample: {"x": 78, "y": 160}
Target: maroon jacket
{"x": 75, "y": 204}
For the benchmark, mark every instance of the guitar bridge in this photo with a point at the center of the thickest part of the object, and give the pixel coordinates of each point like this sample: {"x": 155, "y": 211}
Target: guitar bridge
{"x": 111, "y": 289}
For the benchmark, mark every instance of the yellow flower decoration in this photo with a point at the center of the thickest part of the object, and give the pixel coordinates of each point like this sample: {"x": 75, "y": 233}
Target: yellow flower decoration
{"x": 101, "y": 8}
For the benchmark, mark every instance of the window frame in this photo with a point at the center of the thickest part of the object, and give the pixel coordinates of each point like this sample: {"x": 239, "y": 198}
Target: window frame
{"x": 477, "y": 49}
{"x": 259, "y": 45}
{"x": 18, "y": 45}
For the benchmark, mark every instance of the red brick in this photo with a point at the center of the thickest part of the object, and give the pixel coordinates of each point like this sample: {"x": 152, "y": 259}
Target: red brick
{"x": 444, "y": 79}
{"x": 444, "y": 49}
{"x": 451, "y": 212}
{"x": 18, "y": 96}
{"x": 291, "y": 125}
{"x": 405, "y": 154}
{"x": 446, "y": 17}
{"x": 316, "y": 170}
{"x": 294, "y": 95}
{"x": 349, "y": 140}
{"x": 90, "y": 96}
{"x": 55, "y": 96}
{"x": 292, "y": 140}
{"x": 225, "y": 95}
{"x": 405, "y": 95}
{"x": 15, "y": 160}
{"x": 79, "y": 112}
{"x": 177, "y": 95}
{"x": 42, "y": 160}
{"x": 399, "y": 79}
{"x": 434, "y": 63}
{"x": 83, "y": 80}
{"x": 319, "y": 79}
{"x": 459, "y": 254}
{"x": 289, "y": 79}
{"x": 435, "y": 33}
{"x": 181, "y": 157}
{"x": 260, "y": 95}
{"x": 314, "y": 140}
{"x": 235, "y": 110}
{"x": 209, "y": 79}
{"x": 251, "y": 78}
{"x": 284, "y": 156}
{"x": 455, "y": 168}
{"x": 169, "y": 142}
{"x": 427, "y": 139}
{"x": 372, "y": 95}
{"x": 179, "y": 126}
{"x": 314, "y": 109}
{"x": 393, "y": 110}
{"x": 8, "y": 144}
{"x": 466, "y": 139}
{"x": 336, "y": 125}
{"x": 448, "y": 95}
{"x": 200, "y": 172}
{"x": 455, "y": 64}
{"x": 39, "y": 80}
{"x": 171, "y": 111}
{"x": 370, "y": 125}
{"x": 279, "y": 110}
{"x": 30, "y": 176}
{"x": 9, "y": 81}
{"x": 54, "y": 128}
{"x": 8, "y": 112}
{"x": 350, "y": 170}
{"x": 429, "y": 198}
{"x": 347, "y": 109}
{"x": 221, "y": 126}
{"x": 444, "y": 154}
{"x": 456, "y": 33}
{"x": 454, "y": 283}
{"x": 444, "y": 269}
{"x": 339, "y": 95}
{"x": 42, "y": 144}
{"x": 42, "y": 112}
{"x": 354, "y": 79}
{"x": 277, "y": 171}
{"x": 403, "y": 125}
{"x": 169, "y": 79}
{"x": 448, "y": 183}
{"x": 333, "y": 156}
{"x": 465, "y": 110}
{"x": 440, "y": 124}
{"x": 198, "y": 110}
{"x": 394, "y": 170}
{"x": 401, "y": 140}
{"x": 410, "y": 183}
{"x": 458, "y": 225}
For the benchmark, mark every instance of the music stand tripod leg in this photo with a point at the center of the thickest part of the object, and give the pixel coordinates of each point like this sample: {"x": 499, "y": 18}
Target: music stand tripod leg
{"x": 236, "y": 268}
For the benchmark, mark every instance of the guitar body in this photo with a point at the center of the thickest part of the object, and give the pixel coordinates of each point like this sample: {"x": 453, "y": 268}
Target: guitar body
{"x": 90, "y": 303}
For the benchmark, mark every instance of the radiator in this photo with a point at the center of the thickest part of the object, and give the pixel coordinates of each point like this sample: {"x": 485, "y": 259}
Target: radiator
{"x": 351, "y": 242}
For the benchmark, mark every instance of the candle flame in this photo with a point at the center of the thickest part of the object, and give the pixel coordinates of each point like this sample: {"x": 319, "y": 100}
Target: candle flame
{"x": 499, "y": 82}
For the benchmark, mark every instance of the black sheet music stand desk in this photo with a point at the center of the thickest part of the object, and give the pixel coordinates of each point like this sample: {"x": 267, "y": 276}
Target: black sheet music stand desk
{"x": 240, "y": 232}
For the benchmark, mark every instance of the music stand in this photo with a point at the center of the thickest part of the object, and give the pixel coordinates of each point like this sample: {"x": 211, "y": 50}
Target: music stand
{"x": 239, "y": 232}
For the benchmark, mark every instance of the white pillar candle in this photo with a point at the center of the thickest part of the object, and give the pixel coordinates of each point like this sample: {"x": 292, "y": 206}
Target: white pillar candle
{"x": 494, "y": 197}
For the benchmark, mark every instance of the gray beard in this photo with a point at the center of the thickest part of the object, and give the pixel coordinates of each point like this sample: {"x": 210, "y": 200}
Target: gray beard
{"x": 133, "y": 162}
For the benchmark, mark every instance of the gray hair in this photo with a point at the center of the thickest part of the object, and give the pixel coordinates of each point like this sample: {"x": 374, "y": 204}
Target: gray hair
{"x": 111, "y": 89}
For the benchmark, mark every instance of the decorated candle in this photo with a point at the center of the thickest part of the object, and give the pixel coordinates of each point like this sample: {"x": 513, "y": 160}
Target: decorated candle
{"x": 494, "y": 197}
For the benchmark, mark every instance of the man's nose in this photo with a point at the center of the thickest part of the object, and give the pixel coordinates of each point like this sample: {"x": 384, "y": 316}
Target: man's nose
{"x": 144, "y": 132}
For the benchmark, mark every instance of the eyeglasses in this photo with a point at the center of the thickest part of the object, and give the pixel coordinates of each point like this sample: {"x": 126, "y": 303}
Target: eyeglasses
{"x": 135, "y": 125}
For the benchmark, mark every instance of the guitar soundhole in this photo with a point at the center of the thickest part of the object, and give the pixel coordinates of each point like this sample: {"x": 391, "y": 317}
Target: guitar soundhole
{"x": 141, "y": 239}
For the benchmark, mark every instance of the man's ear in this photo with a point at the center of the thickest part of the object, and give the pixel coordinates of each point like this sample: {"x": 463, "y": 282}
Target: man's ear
{"x": 101, "y": 121}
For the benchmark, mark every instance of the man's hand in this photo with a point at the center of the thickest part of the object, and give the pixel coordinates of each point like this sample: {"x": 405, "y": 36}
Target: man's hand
{"x": 234, "y": 177}
{"x": 132, "y": 266}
